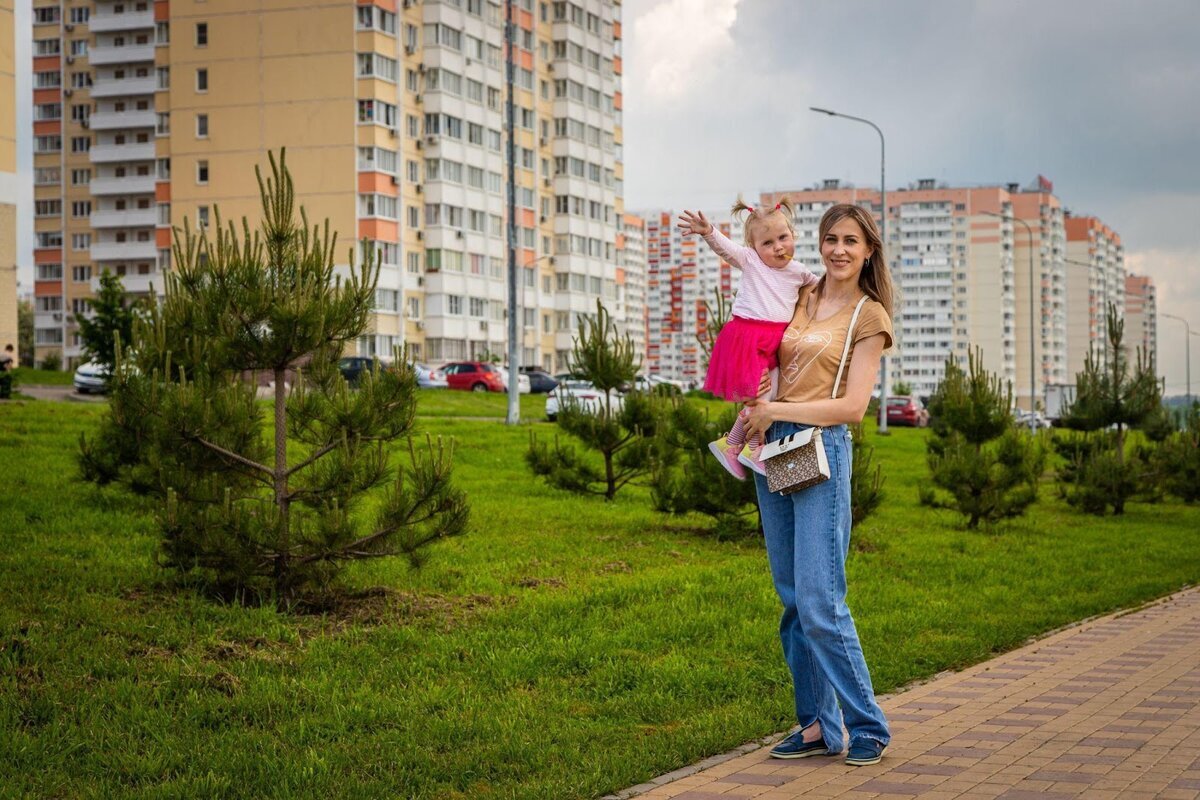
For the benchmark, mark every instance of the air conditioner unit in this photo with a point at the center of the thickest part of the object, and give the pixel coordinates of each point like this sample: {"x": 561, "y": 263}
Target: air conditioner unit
{"x": 431, "y": 139}
{"x": 469, "y": 62}
{"x": 417, "y": 100}
{"x": 483, "y": 325}
{"x": 395, "y": 181}
{"x": 420, "y": 282}
{"x": 546, "y": 181}
{"x": 420, "y": 144}
{"x": 542, "y": 141}
{"x": 68, "y": 92}
{"x": 550, "y": 68}
{"x": 419, "y": 189}
{"x": 410, "y": 49}
{"x": 70, "y": 59}
{"x": 392, "y": 132}
{"x": 420, "y": 236}
{"x": 69, "y": 27}
{"x": 542, "y": 218}
{"x": 421, "y": 68}
{"x": 458, "y": 234}
{"x": 420, "y": 324}
{"x": 84, "y": 123}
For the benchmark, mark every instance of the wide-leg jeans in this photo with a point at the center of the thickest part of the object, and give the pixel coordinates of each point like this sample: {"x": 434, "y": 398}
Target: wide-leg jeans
{"x": 808, "y": 539}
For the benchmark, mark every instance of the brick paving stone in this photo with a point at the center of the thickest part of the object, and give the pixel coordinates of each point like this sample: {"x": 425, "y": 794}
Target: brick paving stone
{"x": 1106, "y": 709}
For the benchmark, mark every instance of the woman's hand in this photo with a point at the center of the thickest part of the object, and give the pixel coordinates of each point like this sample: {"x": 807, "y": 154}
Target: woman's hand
{"x": 762, "y": 414}
{"x": 696, "y": 223}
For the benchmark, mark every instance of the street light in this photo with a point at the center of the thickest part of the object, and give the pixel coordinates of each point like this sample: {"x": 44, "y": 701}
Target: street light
{"x": 514, "y": 344}
{"x": 1187, "y": 351}
{"x": 883, "y": 362}
{"x": 1032, "y": 336}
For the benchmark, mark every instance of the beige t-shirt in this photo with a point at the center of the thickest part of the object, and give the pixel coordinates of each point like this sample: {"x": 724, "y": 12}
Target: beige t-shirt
{"x": 810, "y": 352}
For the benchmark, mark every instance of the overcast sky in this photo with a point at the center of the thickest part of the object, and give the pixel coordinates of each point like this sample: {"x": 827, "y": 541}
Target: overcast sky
{"x": 1101, "y": 97}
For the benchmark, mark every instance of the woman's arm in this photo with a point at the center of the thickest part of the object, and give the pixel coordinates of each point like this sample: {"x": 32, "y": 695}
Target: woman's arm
{"x": 847, "y": 410}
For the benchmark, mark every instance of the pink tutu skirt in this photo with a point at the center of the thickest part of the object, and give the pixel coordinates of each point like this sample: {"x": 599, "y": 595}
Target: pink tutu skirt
{"x": 744, "y": 348}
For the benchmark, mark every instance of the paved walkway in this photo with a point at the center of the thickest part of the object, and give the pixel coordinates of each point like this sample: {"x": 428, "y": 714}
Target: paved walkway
{"x": 1107, "y": 709}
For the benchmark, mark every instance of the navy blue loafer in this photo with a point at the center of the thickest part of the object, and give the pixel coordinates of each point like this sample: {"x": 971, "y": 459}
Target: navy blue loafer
{"x": 794, "y": 746}
{"x": 864, "y": 752}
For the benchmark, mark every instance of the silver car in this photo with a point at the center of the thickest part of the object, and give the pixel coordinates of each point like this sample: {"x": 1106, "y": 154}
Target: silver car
{"x": 430, "y": 378}
{"x": 91, "y": 377}
{"x": 576, "y": 390}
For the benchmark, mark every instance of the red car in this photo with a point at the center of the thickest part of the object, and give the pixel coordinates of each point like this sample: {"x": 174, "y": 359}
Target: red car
{"x": 906, "y": 410}
{"x": 473, "y": 376}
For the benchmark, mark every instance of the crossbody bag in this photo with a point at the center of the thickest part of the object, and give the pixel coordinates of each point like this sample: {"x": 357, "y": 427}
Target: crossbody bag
{"x": 798, "y": 461}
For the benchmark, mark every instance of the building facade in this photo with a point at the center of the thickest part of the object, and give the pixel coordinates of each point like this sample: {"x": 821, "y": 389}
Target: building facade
{"x": 1141, "y": 317}
{"x": 631, "y": 282}
{"x": 1095, "y": 279}
{"x": 393, "y": 115}
{"x": 960, "y": 261}
{"x": 683, "y": 278}
{"x": 8, "y": 179}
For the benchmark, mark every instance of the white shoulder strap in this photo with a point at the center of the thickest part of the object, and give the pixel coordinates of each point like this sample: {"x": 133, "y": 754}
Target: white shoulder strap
{"x": 846, "y": 350}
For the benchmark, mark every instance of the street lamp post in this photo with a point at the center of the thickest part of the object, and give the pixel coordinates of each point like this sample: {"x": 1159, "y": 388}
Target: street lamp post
{"x": 1187, "y": 351}
{"x": 514, "y": 350}
{"x": 884, "y": 384}
{"x": 1032, "y": 327}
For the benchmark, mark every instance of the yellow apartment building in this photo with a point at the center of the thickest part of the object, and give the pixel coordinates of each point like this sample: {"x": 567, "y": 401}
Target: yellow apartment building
{"x": 393, "y": 115}
{"x": 8, "y": 178}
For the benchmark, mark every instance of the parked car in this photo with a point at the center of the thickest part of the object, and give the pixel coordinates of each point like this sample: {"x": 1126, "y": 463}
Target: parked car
{"x": 523, "y": 383}
{"x": 540, "y": 381}
{"x": 91, "y": 377}
{"x": 1034, "y": 420}
{"x": 907, "y": 410}
{"x": 430, "y": 378}
{"x": 576, "y": 390}
{"x": 479, "y": 376}
{"x": 353, "y": 367}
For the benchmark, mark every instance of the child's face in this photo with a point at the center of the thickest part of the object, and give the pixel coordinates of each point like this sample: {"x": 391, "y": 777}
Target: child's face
{"x": 774, "y": 241}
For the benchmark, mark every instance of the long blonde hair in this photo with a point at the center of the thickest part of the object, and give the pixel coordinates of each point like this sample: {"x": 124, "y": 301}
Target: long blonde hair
{"x": 760, "y": 214}
{"x": 875, "y": 279}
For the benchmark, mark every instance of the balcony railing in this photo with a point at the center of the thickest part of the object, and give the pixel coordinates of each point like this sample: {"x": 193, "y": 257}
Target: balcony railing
{"x": 130, "y": 20}
{"x": 134, "y": 184}
{"x": 109, "y": 153}
{"x": 119, "y": 120}
{"x": 137, "y": 218}
{"x": 123, "y": 87}
{"x": 137, "y": 284}
{"x": 124, "y": 251}
{"x": 101, "y": 55}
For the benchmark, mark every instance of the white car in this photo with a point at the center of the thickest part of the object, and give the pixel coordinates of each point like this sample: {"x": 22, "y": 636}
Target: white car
{"x": 91, "y": 377}
{"x": 576, "y": 390}
{"x": 523, "y": 385}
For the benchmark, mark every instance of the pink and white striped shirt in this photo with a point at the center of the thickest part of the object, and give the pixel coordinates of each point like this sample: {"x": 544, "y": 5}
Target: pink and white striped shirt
{"x": 765, "y": 294}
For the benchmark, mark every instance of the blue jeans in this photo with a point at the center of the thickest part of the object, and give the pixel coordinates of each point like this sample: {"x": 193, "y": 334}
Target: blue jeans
{"x": 808, "y": 538}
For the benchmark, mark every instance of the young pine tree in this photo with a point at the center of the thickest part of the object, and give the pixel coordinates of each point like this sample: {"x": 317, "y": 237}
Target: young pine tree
{"x": 1098, "y": 472}
{"x": 866, "y": 484}
{"x": 623, "y": 434}
{"x": 275, "y": 515}
{"x": 1178, "y": 459}
{"x": 980, "y": 465}
{"x": 112, "y": 318}
{"x": 692, "y": 480}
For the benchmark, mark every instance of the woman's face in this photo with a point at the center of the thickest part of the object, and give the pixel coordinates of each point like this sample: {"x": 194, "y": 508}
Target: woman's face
{"x": 844, "y": 250}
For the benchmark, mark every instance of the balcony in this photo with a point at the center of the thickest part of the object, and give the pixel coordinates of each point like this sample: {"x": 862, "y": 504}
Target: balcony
{"x": 104, "y": 23}
{"x": 137, "y": 218}
{"x": 134, "y": 184}
{"x": 110, "y": 153}
{"x": 124, "y": 251}
{"x": 120, "y": 120}
{"x": 137, "y": 284}
{"x": 123, "y": 87}
{"x": 101, "y": 55}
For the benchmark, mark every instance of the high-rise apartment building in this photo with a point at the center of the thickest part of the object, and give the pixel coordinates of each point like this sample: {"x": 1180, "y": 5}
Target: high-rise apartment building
{"x": 962, "y": 273}
{"x": 394, "y": 118}
{"x": 682, "y": 278}
{"x": 1141, "y": 317}
{"x": 1095, "y": 278}
{"x": 8, "y": 177}
{"x": 631, "y": 282}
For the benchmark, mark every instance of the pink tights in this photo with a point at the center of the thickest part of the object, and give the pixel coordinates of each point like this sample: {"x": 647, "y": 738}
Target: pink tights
{"x": 737, "y": 434}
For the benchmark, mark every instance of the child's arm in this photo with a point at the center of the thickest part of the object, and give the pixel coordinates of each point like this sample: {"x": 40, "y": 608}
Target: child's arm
{"x": 697, "y": 223}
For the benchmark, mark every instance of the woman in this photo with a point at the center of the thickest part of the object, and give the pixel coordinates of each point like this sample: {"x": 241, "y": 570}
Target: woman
{"x": 808, "y": 533}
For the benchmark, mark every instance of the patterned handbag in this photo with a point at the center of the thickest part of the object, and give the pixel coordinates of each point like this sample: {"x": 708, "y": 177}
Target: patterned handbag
{"x": 798, "y": 461}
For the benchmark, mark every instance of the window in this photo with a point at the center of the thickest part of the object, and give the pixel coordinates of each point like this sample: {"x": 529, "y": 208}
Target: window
{"x": 163, "y": 125}
{"x": 47, "y": 208}
{"x": 81, "y": 274}
{"x": 162, "y": 33}
{"x": 46, "y": 176}
{"x": 49, "y": 272}
{"x": 79, "y": 16}
{"x": 376, "y": 112}
{"x": 46, "y": 16}
{"x": 81, "y": 144}
{"x": 47, "y": 144}
{"x": 202, "y": 216}
{"x": 201, "y": 34}
{"x": 79, "y": 47}
{"x": 81, "y": 241}
{"x": 47, "y": 80}
{"x": 81, "y": 208}
{"x": 201, "y": 172}
{"x": 46, "y": 239}
{"x": 202, "y": 126}
{"x": 46, "y": 47}
{"x": 201, "y": 80}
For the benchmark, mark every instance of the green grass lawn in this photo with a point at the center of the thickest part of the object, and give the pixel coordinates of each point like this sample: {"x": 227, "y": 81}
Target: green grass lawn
{"x": 564, "y": 648}
{"x": 29, "y": 376}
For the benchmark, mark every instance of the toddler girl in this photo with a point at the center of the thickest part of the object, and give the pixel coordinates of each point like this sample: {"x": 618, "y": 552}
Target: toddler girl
{"x": 762, "y": 309}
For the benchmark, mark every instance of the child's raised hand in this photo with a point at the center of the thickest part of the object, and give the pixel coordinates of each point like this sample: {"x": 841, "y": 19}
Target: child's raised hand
{"x": 696, "y": 223}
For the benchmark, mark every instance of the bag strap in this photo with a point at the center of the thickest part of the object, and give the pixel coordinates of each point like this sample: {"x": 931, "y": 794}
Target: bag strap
{"x": 846, "y": 350}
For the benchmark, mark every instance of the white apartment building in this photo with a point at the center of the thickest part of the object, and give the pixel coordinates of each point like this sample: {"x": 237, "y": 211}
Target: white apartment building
{"x": 1095, "y": 278}
{"x": 631, "y": 282}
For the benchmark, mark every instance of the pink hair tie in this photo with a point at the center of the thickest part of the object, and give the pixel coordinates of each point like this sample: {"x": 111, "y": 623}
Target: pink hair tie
{"x": 778, "y": 206}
